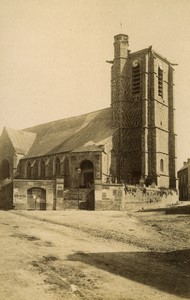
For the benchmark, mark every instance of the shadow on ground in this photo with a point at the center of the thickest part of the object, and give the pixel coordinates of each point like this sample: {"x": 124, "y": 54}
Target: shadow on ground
{"x": 185, "y": 209}
{"x": 168, "y": 272}
{"x": 178, "y": 210}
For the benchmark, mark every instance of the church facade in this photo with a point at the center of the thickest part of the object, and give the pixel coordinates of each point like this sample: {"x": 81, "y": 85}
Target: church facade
{"x": 49, "y": 165}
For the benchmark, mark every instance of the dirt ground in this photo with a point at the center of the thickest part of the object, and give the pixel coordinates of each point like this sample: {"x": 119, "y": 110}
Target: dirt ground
{"x": 94, "y": 255}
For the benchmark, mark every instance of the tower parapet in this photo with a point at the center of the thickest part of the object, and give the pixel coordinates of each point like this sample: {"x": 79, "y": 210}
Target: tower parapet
{"x": 121, "y": 43}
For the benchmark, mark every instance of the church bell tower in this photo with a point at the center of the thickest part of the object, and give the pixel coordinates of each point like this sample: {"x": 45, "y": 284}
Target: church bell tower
{"x": 142, "y": 115}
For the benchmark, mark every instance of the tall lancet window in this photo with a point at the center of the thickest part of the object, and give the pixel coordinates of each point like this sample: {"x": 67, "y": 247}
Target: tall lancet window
{"x": 28, "y": 170}
{"x": 42, "y": 169}
{"x": 57, "y": 166}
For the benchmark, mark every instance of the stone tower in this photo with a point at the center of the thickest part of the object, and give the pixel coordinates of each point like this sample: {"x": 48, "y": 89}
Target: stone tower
{"x": 143, "y": 115}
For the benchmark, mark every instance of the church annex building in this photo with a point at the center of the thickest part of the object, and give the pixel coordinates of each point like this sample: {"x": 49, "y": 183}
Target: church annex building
{"x": 84, "y": 161}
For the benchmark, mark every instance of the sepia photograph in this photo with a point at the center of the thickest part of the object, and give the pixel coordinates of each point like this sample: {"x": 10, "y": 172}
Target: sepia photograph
{"x": 95, "y": 149}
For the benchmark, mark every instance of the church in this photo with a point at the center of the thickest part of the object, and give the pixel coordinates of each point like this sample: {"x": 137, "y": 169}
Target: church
{"x": 85, "y": 161}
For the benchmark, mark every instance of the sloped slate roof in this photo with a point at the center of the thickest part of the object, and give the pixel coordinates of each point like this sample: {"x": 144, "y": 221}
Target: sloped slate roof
{"x": 185, "y": 166}
{"x": 21, "y": 140}
{"x": 89, "y": 146}
{"x": 71, "y": 134}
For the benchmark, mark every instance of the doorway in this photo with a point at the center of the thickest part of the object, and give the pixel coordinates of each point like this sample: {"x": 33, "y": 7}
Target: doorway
{"x": 87, "y": 182}
{"x": 87, "y": 174}
{"x": 36, "y": 199}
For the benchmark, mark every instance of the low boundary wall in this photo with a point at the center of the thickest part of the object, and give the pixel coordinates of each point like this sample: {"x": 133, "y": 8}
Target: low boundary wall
{"x": 123, "y": 197}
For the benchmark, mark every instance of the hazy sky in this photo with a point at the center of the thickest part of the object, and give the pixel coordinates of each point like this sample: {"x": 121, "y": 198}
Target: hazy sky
{"x": 53, "y": 53}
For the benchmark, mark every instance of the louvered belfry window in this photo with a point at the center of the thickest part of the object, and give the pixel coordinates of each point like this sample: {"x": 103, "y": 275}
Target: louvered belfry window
{"x": 136, "y": 80}
{"x": 160, "y": 82}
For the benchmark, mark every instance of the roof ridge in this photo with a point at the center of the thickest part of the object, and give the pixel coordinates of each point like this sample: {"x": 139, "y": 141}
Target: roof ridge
{"x": 18, "y": 130}
{"x": 69, "y": 118}
{"x": 20, "y": 140}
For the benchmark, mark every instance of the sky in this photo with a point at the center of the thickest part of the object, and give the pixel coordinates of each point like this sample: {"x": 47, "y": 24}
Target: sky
{"x": 53, "y": 56}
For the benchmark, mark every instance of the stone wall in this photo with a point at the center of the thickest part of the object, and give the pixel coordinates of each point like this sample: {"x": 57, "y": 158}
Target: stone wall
{"x": 104, "y": 197}
{"x": 20, "y": 197}
{"x": 77, "y": 199}
{"x": 143, "y": 198}
{"x": 108, "y": 196}
{"x": 120, "y": 197}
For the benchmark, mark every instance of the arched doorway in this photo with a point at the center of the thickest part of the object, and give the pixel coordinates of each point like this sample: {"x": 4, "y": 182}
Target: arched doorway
{"x": 36, "y": 198}
{"x": 4, "y": 169}
{"x": 87, "y": 182}
{"x": 87, "y": 174}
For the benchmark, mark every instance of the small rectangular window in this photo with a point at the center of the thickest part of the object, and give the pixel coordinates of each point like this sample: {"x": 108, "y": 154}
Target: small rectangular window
{"x": 160, "y": 82}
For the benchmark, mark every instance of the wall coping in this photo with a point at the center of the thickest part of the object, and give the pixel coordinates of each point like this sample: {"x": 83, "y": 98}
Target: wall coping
{"x": 35, "y": 180}
{"x": 111, "y": 184}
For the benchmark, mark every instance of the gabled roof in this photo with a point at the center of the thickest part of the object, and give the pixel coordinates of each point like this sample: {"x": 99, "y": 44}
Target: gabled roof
{"x": 21, "y": 140}
{"x": 89, "y": 146}
{"x": 71, "y": 134}
{"x": 145, "y": 50}
{"x": 154, "y": 52}
{"x": 185, "y": 166}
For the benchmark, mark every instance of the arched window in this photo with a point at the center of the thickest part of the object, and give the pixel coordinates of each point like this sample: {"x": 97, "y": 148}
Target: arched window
{"x": 4, "y": 169}
{"x": 42, "y": 169}
{"x": 28, "y": 170}
{"x": 35, "y": 170}
{"x": 161, "y": 165}
{"x": 57, "y": 166}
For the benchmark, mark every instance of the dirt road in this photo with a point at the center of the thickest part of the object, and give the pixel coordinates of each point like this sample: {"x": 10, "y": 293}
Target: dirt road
{"x": 74, "y": 255}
